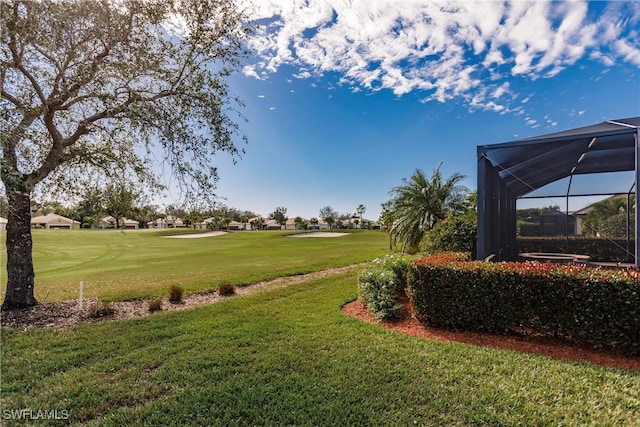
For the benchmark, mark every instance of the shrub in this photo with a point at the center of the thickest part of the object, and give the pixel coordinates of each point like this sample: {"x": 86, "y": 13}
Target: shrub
{"x": 226, "y": 288}
{"x": 380, "y": 284}
{"x": 100, "y": 309}
{"x": 175, "y": 294}
{"x": 573, "y": 302}
{"x": 155, "y": 305}
{"x": 456, "y": 233}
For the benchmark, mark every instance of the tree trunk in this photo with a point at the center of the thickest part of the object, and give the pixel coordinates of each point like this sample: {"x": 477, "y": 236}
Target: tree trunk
{"x": 20, "y": 273}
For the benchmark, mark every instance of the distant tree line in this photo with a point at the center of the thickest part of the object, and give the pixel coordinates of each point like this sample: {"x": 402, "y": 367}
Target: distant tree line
{"x": 125, "y": 201}
{"x": 94, "y": 205}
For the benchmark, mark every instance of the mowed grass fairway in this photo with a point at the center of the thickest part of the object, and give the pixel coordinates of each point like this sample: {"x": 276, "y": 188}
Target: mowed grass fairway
{"x": 285, "y": 356}
{"x": 116, "y": 265}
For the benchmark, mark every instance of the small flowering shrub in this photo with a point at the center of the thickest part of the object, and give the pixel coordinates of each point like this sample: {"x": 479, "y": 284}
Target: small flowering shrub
{"x": 575, "y": 302}
{"x": 379, "y": 285}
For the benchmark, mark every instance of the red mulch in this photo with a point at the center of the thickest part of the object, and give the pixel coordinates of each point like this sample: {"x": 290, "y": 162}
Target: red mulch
{"x": 551, "y": 347}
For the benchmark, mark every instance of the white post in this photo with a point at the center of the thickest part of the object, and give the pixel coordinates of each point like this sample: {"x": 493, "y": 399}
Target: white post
{"x": 80, "y": 298}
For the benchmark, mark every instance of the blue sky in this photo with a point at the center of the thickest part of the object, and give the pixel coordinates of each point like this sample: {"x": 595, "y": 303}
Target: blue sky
{"x": 344, "y": 99}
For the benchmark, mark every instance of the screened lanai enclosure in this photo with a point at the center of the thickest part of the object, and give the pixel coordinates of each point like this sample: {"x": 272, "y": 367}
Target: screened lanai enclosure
{"x": 512, "y": 172}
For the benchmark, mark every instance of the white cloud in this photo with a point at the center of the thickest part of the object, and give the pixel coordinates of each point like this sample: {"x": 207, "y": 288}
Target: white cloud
{"x": 448, "y": 49}
{"x": 302, "y": 75}
{"x": 250, "y": 71}
{"x": 502, "y": 90}
{"x": 550, "y": 121}
{"x": 631, "y": 53}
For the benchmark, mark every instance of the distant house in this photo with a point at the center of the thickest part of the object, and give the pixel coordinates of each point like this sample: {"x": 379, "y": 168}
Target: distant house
{"x": 168, "y": 222}
{"x": 3, "y": 223}
{"x": 291, "y": 224}
{"x": 321, "y": 225}
{"x": 205, "y": 223}
{"x": 200, "y": 225}
{"x": 259, "y": 223}
{"x": 236, "y": 225}
{"x": 130, "y": 224}
{"x": 218, "y": 223}
{"x": 52, "y": 220}
{"x": 349, "y": 222}
{"x": 579, "y": 216}
{"x": 256, "y": 223}
{"x": 556, "y": 223}
{"x": 110, "y": 222}
{"x": 272, "y": 224}
{"x": 357, "y": 222}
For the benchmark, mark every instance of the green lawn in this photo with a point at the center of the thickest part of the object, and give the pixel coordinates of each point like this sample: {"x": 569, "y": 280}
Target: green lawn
{"x": 136, "y": 264}
{"x": 290, "y": 357}
{"x": 287, "y": 356}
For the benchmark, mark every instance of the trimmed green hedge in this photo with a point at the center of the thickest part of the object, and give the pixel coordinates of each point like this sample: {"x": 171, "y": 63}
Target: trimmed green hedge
{"x": 573, "y": 302}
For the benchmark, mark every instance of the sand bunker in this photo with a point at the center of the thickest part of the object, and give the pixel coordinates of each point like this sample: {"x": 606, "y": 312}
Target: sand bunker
{"x": 318, "y": 234}
{"x": 196, "y": 235}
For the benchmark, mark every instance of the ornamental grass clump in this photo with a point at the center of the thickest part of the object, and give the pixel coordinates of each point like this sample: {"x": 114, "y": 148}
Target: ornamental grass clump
{"x": 380, "y": 284}
{"x": 155, "y": 305}
{"x": 175, "y": 294}
{"x": 226, "y": 289}
{"x": 100, "y": 309}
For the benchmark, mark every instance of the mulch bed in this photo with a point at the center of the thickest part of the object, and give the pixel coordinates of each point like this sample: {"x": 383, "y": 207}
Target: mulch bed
{"x": 550, "y": 347}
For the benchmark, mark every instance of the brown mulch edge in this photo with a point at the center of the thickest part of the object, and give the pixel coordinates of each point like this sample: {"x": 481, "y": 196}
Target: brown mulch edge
{"x": 64, "y": 314}
{"x": 544, "y": 346}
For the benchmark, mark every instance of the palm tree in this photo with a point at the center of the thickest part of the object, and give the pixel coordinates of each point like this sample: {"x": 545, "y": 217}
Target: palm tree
{"x": 419, "y": 204}
{"x": 257, "y": 223}
{"x": 361, "y": 210}
{"x": 314, "y": 221}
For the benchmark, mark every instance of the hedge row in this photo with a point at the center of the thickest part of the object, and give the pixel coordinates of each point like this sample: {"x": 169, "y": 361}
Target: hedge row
{"x": 604, "y": 250}
{"x": 573, "y": 302}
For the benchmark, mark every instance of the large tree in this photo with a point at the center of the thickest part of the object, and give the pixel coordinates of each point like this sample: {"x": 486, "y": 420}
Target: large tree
{"x": 419, "y": 203}
{"x": 329, "y": 215}
{"x": 280, "y": 215}
{"x": 110, "y": 85}
{"x": 120, "y": 201}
